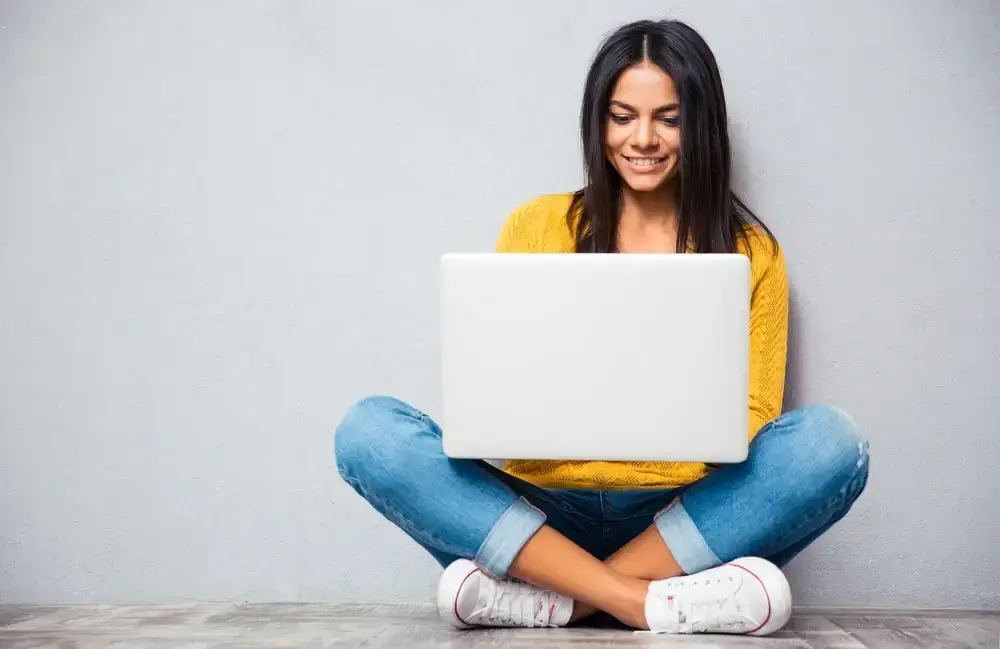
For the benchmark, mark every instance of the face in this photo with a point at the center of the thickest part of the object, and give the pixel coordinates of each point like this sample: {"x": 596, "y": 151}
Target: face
{"x": 643, "y": 140}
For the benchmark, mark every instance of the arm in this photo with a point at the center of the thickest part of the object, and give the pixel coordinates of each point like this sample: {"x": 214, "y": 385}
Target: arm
{"x": 768, "y": 338}
{"x": 521, "y": 231}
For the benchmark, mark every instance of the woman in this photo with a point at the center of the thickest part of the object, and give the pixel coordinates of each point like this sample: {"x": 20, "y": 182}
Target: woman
{"x": 670, "y": 547}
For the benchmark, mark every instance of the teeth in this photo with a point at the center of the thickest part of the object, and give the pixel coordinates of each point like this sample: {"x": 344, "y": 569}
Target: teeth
{"x": 645, "y": 162}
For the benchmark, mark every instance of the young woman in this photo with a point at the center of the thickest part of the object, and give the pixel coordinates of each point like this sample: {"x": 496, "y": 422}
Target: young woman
{"x": 671, "y": 547}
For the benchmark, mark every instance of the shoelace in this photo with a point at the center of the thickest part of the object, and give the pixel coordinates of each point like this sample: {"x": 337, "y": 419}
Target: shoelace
{"x": 706, "y": 605}
{"x": 513, "y": 603}
{"x": 706, "y": 614}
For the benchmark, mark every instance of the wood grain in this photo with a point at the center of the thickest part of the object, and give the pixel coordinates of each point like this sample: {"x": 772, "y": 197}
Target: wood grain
{"x": 253, "y": 626}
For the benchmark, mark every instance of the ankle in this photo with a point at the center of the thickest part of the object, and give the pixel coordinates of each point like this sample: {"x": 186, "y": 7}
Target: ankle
{"x": 581, "y": 611}
{"x": 630, "y": 604}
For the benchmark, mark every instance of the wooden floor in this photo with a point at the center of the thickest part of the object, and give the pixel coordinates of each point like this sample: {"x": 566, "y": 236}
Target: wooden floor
{"x": 218, "y": 626}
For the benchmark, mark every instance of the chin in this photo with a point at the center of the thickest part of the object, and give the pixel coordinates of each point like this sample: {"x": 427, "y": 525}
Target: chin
{"x": 646, "y": 184}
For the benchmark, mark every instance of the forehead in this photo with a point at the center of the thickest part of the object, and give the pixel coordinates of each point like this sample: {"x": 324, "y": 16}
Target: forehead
{"x": 644, "y": 85}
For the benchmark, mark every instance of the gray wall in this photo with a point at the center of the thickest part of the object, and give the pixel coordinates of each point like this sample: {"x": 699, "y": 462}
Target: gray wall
{"x": 219, "y": 225}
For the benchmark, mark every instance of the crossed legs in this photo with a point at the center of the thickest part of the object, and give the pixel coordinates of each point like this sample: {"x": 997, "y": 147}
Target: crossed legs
{"x": 804, "y": 472}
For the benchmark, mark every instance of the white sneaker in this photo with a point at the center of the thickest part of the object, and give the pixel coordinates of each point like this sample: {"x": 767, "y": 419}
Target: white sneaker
{"x": 747, "y": 596}
{"x": 468, "y": 597}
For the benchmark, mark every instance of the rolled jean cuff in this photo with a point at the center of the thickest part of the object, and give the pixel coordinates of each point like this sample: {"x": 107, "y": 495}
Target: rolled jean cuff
{"x": 685, "y": 542}
{"x": 516, "y": 525}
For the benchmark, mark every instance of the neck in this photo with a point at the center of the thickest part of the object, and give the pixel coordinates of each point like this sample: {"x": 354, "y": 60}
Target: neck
{"x": 649, "y": 209}
{"x": 648, "y": 222}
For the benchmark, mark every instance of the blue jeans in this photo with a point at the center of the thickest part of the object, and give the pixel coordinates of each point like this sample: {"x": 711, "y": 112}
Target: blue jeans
{"x": 804, "y": 471}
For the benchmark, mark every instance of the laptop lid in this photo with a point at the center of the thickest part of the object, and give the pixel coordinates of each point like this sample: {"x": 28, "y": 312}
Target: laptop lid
{"x": 595, "y": 356}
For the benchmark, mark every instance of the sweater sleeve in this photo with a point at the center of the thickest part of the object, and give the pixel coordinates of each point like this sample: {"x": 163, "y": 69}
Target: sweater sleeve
{"x": 768, "y": 338}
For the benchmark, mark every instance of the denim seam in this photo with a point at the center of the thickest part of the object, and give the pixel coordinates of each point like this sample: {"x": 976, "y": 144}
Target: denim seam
{"x": 688, "y": 555}
{"x": 490, "y": 535}
{"x": 504, "y": 515}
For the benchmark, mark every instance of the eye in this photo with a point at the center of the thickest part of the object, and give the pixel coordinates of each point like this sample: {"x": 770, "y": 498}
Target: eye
{"x": 621, "y": 119}
{"x": 671, "y": 121}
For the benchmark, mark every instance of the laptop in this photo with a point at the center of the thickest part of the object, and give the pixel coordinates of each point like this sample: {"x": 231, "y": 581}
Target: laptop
{"x": 595, "y": 356}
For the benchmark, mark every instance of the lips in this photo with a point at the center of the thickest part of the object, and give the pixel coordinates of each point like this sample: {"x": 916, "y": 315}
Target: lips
{"x": 646, "y": 164}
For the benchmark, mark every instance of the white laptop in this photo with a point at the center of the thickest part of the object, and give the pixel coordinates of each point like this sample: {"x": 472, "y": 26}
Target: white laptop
{"x": 595, "y": 356}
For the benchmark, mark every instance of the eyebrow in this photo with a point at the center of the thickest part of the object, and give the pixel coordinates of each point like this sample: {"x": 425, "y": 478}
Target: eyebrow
{"x": 661, "y": 109}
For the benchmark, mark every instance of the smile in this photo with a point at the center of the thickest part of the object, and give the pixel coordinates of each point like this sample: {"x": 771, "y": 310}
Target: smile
{"x": 645, "y": 164}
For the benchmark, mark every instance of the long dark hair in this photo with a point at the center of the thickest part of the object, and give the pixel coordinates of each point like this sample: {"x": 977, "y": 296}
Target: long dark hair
{"x": 711, "y": 216}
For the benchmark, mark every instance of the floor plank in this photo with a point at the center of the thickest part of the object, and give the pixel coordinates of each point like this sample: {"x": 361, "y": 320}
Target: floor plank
{"x": 379, "y": 626}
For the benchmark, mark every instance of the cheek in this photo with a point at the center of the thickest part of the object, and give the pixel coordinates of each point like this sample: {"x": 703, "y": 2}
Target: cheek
{"x": 615, "y": 137}
{"x": 673, "y": 140}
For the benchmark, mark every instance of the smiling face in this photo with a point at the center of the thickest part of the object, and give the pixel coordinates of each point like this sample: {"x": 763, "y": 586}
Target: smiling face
{"x": 642, "y": 140}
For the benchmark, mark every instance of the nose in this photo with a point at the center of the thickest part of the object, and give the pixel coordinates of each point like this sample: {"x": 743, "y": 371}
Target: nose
{"x": 645, "y": 134}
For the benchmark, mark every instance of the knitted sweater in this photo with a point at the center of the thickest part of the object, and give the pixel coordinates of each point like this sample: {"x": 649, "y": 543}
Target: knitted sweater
{"x": 540, "y": 226}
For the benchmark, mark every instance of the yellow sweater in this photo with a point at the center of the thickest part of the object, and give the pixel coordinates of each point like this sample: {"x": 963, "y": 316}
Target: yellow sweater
{"x": 540, "y": 226}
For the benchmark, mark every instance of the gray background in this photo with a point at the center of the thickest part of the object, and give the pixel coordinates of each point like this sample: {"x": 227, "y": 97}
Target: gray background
{"x": 219, "y": 226}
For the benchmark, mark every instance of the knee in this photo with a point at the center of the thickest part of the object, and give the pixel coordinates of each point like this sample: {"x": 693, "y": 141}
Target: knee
{"x": 368, "y": 436}
{"x": 829, "y": 447}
